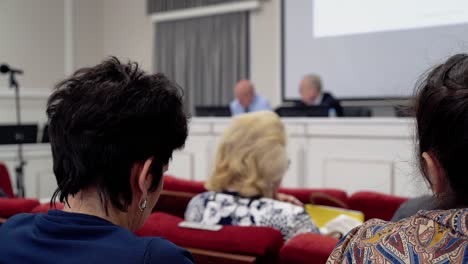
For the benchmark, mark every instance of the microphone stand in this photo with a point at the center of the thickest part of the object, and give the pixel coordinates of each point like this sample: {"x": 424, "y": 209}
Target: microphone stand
{"x": 19, "y": 137}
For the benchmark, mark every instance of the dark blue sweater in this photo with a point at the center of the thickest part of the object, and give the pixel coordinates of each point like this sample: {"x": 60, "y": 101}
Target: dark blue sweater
{"x": 61, "y": 237}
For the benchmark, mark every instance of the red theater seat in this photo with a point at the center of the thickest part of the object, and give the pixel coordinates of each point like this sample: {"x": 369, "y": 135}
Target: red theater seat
{"x": 45, "y": 207}
{"x": 11, "y": 206}
{"x": 375, "y": 205}
{"x": 5, "y": 182}
{"x": 257, "y": 244}
{"x": 307, "y": 248}
{"x": 172, "y": 183}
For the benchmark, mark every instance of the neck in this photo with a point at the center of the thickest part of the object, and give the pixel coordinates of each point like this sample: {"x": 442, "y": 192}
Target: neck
{"x": 88, "y": 202}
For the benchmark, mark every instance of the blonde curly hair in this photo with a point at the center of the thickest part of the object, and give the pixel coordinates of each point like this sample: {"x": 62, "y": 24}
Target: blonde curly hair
{"x": 252, "y": 156}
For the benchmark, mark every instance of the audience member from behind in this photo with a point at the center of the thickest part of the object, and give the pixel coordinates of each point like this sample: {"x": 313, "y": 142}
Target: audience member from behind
{"x": 431, "y": 236}
{"x": 312, "y": 94}
{"x": 112, "y": 129}
{"x": 247, "y": 100}
{"x": 250, "y": 164}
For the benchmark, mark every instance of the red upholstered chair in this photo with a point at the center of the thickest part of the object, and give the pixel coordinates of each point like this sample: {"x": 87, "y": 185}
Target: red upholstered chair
{"x": 232, "y": 244}
{"x": 43, "y": 208}
{"x": 172, "y": 183}
{"x": 307, "y": 248}
{"x": 178, "y": 192}
{"x": 375, "y": 205}
{"x": 5, "y": 182}
{"x": 176, "y": 195}
{"x": 11, "y": 206}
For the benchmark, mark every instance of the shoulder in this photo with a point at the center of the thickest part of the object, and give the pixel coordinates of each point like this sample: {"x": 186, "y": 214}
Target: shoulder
{"x": 378, "y": 236}
{"x": 262, "y": 99}
{"x": 200, "y": 199}
{"x": 160, "y": 250}
{"x": 370, "y": 232}
{"x": 197, "y": 205}
{"x": 203, "y": 196}
{"x": 234, "y": 103}
{"x": 18, "y": 221}
{"x": 328, "y": 96}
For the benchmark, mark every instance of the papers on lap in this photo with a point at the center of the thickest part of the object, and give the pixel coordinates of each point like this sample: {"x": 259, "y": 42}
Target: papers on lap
{"x": 333, "y": 219}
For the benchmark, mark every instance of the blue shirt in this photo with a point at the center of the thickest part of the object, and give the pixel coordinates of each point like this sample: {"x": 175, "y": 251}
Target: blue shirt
{"x": 259, "y": 103}
{"x": 62, "y": 237}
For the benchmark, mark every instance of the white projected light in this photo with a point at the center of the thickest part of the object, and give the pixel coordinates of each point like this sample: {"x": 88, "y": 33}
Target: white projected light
{"x": 345, "y": 17}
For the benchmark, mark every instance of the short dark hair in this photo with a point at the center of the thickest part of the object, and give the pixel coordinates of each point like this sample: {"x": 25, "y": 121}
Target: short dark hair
{"x": 103, "y": 120}
{"x": 441, "y": 109}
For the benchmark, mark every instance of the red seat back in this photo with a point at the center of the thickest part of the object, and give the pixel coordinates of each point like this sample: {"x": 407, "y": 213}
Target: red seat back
{"x": 11, "y": 206}
{"x": 172, "y": 183}
{"x": 45, "y": 207}
{"x": 5, "y": 182}
{"x": 263, "y": 242}
{"x": 375, "y": 205}
{"x": 307, "y": 248}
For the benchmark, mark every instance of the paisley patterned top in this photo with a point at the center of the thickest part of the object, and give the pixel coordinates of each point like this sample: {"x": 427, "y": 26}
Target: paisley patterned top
{"x": 231, "y": 209}
{"x": 427, "y": 237}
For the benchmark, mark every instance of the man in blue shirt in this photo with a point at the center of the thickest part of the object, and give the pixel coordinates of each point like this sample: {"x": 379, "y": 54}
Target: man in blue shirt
{"x": 247, "y": 100}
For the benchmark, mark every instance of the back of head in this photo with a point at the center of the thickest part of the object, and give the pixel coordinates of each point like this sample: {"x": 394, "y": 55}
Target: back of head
{"x": 251, "y": 156}
{"x": 106, "y": 118}
{"x": 442, "y": 125}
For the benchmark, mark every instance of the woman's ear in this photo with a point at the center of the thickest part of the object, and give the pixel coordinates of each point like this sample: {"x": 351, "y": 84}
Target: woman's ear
{"x": 144, "y": 177}
{"x": 435, "y": 173}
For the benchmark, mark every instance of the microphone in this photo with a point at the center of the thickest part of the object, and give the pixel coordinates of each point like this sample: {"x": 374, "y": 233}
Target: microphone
{"x": 4, "y": 68}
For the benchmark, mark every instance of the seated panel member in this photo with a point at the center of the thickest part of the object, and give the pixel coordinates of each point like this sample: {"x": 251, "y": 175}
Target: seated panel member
{"x": 112, "y": 130}
{"x": 247, "y": 100}
{"x": 312, "y": 94}
{"x": 243, "y": 190}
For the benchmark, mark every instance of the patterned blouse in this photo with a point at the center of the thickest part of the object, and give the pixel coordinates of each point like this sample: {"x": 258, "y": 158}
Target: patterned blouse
{"x": 230, "y": 209}
{"x": 427, "y": 237}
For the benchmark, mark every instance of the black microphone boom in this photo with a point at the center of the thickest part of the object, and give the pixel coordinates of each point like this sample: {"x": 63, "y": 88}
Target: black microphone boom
{"x": 4, "y": 68}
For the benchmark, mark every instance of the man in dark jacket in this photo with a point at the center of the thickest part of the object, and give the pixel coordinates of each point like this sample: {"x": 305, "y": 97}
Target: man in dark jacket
{"x": 311, "y": 92}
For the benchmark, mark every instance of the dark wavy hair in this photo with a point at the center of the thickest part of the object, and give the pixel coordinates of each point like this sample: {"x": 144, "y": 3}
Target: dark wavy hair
{"x": 441, "y": 109}
{"x": 103, "y": 120}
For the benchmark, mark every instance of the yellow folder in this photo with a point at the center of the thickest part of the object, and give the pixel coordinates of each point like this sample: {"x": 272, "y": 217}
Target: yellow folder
{"x": 323, "y": 214}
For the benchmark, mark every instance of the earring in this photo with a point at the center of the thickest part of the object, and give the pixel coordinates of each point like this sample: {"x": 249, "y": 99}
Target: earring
{"x": 143, "y": 205}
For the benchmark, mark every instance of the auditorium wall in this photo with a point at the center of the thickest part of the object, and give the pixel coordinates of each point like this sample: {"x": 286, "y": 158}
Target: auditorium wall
{"x": 40, "y": 40}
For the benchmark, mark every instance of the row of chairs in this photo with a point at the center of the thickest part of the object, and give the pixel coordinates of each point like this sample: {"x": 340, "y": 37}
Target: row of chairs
{"x": 268, "y": 247}
{"x": 232, "y": 244}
